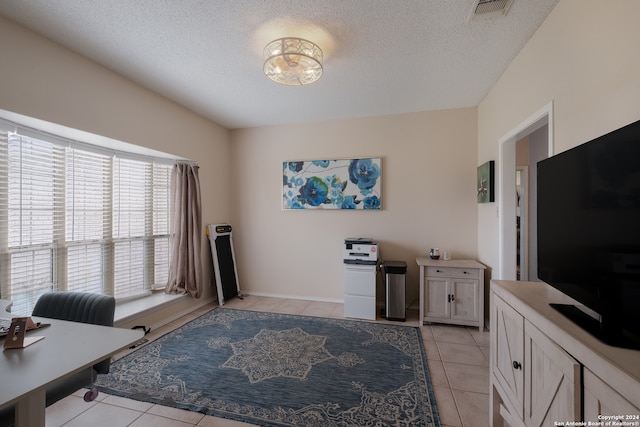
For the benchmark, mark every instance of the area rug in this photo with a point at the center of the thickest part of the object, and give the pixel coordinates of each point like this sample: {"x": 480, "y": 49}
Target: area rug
{"x": 273, "y": 369}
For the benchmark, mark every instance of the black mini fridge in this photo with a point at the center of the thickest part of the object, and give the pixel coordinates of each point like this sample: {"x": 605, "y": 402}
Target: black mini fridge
{"x": 395, "y": 273}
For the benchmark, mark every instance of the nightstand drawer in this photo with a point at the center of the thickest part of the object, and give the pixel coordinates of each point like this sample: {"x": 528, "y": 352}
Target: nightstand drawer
{"x": 471, "y": 273}
{"x": 438, "y": 272}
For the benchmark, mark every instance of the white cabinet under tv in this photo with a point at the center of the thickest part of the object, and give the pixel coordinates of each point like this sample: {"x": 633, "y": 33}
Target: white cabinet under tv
{"x": 542, "y": 363}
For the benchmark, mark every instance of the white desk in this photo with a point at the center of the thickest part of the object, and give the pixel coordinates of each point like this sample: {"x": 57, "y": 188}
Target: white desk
{"x": 68, "y": 347}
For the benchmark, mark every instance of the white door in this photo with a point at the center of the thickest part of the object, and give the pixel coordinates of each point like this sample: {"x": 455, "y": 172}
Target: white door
{"x": 464, "y": 304}
{"x": 552, "y": 379}
{"x": 437, "y": 303}
{"x": 507, "y": 353}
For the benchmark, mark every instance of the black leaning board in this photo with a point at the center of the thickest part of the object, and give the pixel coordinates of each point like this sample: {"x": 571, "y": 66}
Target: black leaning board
{"x": 227, "y": 267}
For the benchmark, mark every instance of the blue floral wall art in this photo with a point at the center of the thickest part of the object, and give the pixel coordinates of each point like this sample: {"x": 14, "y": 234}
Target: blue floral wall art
{"x": 332, "y": 184}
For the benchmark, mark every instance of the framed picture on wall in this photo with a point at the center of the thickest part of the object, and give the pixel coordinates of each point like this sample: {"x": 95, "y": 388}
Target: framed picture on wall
{"x": 485, "y": 182}
{"x": 332, "y": 184}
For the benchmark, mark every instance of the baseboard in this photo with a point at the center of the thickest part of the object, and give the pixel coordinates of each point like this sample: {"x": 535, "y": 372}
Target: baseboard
{"x": 298, "y": 297}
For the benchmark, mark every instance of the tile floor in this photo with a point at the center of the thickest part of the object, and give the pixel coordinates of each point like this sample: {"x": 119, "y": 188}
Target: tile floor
{"x": 458, "y": 360}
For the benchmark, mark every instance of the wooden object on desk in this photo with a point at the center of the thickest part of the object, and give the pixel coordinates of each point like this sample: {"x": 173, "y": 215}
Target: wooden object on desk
{"x": 16, "y": 337}
{"x": 541, "y": 363}
{"x": 452, "y": 292}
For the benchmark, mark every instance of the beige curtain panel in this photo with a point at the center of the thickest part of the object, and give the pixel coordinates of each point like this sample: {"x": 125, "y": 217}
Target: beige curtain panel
{"x": 185, "y": 268}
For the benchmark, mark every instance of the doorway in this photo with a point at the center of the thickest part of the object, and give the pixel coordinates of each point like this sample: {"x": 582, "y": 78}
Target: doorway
{"x": 522, "y": 221}
{"x": 539, "y": 125}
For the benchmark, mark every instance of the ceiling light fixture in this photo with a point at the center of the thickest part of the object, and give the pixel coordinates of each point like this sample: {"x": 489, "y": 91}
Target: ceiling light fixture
{"x": 293, "y": 61}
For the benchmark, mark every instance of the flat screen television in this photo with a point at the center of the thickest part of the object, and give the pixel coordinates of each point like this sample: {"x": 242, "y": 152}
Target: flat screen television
{"x": 589, "y": 233}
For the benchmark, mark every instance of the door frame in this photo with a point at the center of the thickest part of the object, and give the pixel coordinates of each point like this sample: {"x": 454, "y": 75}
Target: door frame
{"x": 524, "y": 221}
{"x": 507, "y": 182}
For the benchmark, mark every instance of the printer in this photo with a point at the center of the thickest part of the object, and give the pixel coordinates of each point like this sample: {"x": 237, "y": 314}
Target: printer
{"x": 361, "y": 250}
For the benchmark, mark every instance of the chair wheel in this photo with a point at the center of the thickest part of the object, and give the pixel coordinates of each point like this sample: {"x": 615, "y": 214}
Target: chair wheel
{"x": 91, "y": 395}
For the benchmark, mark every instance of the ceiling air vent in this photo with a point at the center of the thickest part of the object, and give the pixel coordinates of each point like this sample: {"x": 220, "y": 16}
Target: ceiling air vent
{"x": 486, "y": 9}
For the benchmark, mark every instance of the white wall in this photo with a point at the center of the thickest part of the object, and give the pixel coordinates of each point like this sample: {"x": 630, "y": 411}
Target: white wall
{"x": 428, "y": 196}
{"x": 40, "y": 79}
{"x": 584, "y": 58}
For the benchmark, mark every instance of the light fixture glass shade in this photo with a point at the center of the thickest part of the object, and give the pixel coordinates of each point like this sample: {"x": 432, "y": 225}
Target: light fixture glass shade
{"x": 293, "y": 61}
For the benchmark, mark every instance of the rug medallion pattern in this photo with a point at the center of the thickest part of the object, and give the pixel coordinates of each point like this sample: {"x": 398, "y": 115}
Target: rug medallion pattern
{"x": 289, "y": 353}
{"x": 283, "y": 370}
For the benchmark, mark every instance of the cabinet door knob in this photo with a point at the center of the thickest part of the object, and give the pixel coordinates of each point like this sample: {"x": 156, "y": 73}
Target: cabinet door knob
{"x": 517, "y": 365}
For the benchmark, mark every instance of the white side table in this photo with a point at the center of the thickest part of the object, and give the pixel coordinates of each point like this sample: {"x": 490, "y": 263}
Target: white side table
{"x": 452, "y": 292}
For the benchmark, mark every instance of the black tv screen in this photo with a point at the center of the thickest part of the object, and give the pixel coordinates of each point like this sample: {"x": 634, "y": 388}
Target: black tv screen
{"x": 589, "y": 233}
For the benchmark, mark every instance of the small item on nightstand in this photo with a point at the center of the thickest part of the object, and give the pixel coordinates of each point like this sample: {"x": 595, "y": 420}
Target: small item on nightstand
{"x": 446, "y": 255}
{"x": 434, "y": 253}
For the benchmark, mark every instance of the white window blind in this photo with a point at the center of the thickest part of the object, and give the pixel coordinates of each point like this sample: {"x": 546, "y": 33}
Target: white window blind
{"x": 74, "y": 219}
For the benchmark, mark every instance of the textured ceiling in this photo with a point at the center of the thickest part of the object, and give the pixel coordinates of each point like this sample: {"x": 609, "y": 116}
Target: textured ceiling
{"x": 380, "y": 56}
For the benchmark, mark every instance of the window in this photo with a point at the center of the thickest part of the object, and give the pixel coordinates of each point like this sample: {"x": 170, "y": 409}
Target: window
{"x": 79, "y": 220}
